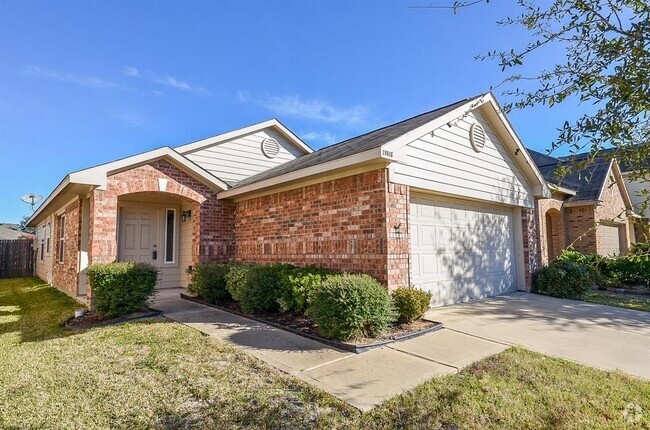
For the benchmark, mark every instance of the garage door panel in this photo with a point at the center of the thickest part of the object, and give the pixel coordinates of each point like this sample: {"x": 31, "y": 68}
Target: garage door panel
{"x": 461, "y": 251}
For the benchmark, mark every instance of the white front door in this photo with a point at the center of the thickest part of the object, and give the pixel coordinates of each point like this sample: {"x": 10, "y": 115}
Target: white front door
{"x": 461, "y": 250}
{"x": 138, "y": 236}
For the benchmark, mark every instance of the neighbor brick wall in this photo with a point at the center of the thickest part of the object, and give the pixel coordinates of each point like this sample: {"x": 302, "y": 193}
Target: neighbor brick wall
{"x": 554, "y": 205}
{"x": 213, "y": 220}
{"x": 341, "y": 224}
{"x": 580, "y": 228}
{"x": 613, "y": 210}
{"x": 65, "y": 275}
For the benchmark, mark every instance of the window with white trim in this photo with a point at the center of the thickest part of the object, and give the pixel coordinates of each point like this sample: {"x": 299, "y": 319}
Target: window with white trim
{"x": 61, "y": 237}
{"x": 48, "y": 233}
{"x": 170, "y": 230}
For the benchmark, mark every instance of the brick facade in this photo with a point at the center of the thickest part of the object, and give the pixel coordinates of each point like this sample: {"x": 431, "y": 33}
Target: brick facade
{"x": 213, "y": 220}
{"x": 345, "y": 224}
{"x": 531, "y": 239}
{"x": 65, "y": 274}
{"x": 579, "y": 224}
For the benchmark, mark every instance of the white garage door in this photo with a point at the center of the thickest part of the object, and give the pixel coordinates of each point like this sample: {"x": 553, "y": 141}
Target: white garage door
{"x": 609, "y": 242}
{"x": 461, "y": 251}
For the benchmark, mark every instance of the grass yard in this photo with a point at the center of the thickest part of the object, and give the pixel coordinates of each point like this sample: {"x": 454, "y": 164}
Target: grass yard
{"x": 160, "y": 374}
{"x": 630, "y": 301}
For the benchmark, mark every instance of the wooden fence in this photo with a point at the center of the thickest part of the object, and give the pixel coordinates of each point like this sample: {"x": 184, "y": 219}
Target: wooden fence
{"x": 16, "y": 258}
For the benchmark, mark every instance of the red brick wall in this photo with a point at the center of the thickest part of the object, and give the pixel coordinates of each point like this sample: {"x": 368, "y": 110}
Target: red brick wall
{"x": 341, "y": 224}
{"x": 532, "y": 252}
{"x": 580, "y": 226}
{"x": 398, "y": 243}
{"x": 64, "y": 275}
{"x": 212, "y": 219}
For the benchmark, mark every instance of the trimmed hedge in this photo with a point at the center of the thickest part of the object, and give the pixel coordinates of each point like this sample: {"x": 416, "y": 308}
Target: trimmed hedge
{"x": 297, "y": 286}
{"x": 411, "y": 303}
{"x": 208, "y": 281}
{"x": 348, "y": 306}
{"x": 256, "y": 288}
{"x": 119, "y": 289}
{"x": 563, "y": 278}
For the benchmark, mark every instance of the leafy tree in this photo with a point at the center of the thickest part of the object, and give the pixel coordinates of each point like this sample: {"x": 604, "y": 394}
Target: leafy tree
{"x": 23, "y": 226}
{"x": 606, "y": 67}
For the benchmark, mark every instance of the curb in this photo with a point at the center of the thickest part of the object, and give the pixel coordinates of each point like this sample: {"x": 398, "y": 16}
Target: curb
{"x": 357, "y": 349}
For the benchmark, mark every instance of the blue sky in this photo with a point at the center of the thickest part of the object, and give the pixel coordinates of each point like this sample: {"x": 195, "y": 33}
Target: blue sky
{"x": 85, "y": 82}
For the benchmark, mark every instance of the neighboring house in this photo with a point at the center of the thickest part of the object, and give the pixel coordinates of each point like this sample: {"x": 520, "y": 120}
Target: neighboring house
{"x": 444, "y": 201}
{"x": 590, "y": 209}
{"x": 10, "y": 231}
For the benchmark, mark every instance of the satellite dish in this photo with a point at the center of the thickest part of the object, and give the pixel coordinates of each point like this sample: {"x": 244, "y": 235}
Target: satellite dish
{"x": 31, "y": 199}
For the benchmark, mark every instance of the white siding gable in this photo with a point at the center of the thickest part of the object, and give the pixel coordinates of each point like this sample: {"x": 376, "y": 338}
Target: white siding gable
{"x": 445, "y": 162}
{"x": 237, "y": 159}
{"x": 634, "y": 189}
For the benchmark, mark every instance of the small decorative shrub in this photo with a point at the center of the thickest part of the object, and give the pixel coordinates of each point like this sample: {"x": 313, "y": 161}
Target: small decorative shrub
{"x": 121, "y": 288}
{"x": 411, "y": 303}
{"x": 256, "y": 287}
{"x": 208, "y": 281}
{"x": 348, "y": 306}
{"x": 563, "y": 278}
{"x": 297, "y": 285}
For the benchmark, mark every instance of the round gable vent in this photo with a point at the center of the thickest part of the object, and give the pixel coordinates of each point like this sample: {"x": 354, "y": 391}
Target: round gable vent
{"x": 270, "y": 147}
{"x": 477, "y": 137}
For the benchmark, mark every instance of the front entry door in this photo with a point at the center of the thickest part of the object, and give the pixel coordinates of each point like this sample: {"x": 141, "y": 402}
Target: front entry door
{"x": 138, "y": 236}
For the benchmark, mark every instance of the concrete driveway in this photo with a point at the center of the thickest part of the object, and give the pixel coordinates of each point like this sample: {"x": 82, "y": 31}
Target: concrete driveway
{"x": 601, "y": 336}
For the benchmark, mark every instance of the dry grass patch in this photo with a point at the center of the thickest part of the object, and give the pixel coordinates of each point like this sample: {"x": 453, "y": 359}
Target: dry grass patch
{"x": 160, "y": 374}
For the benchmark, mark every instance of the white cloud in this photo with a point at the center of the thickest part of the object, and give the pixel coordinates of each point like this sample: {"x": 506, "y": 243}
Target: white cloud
{"x": 85, "y": 81}
{"x": 178, "y": 84}
{"x": 131, "y": 72}
{"x": 320, "y": 137}
{"x": 314, "y": 109}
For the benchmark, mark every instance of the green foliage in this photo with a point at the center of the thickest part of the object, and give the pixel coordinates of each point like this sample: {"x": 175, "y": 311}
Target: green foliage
{"x": 297, "y": 285}
{"x": 208, "y": 281}
{"x": 627, "y": 270}
{"x": 411, "y": 303}
{"x": 348, "y": 306}
{"x": 591, "y": 263}
{"x": 563, "y": 278}
{"x": 256, "y": 287}
{"x": 121, "y": 288}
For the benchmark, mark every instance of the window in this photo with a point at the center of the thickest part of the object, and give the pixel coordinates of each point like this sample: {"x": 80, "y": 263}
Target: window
{"x": 48, "y": 233}
{"x": 170, "y": 225}
{"x": 61, "y": 238}
{"x": 42, "y": 248}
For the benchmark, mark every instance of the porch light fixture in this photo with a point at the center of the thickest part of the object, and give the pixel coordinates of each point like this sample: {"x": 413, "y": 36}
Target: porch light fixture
{"x": 185, "y": 215}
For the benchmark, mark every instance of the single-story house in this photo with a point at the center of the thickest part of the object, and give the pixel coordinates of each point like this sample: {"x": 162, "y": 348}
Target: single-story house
{"x": 444, "y": 201}
{"x": 590, "y": 209}
{"x": 10, "y": 231}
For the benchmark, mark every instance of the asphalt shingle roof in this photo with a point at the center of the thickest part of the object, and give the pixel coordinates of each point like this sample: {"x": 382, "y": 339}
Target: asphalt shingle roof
{"x": 355, "y": 145}
{"x": 586, "y": 183}
{"x": 12, "y": 231}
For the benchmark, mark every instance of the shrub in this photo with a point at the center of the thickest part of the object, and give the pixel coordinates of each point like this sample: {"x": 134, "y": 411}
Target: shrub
{"x": 297, "y": 286}
{"x": 563, "y": 278}
{"x": 347, "y": 306}
{"x": 411, "y": 303}
{"x": 628, "y": 270}
{"x": 256, "y": 287}
{"x": 592, "y": 263}
{"x": 121, "y": 288}
{"x": 208, "y": 281}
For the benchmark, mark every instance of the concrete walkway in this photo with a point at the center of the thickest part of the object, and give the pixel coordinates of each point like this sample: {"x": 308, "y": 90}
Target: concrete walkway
{"x": 363, "y": 380}
{"x": 601, "y": 336}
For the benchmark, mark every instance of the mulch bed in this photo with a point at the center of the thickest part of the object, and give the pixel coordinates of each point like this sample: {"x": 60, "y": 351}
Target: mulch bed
{"x": 301, "y": 325}
{"x": 92, "y": 319}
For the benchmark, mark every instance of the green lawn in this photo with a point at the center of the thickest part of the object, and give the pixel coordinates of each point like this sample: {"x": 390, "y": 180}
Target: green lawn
{"x": 631, "y": 301}
{"x": 159, "y": 374}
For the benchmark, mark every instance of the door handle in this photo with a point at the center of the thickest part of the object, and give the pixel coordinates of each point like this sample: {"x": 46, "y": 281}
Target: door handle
{"x": 154, "y": 253}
